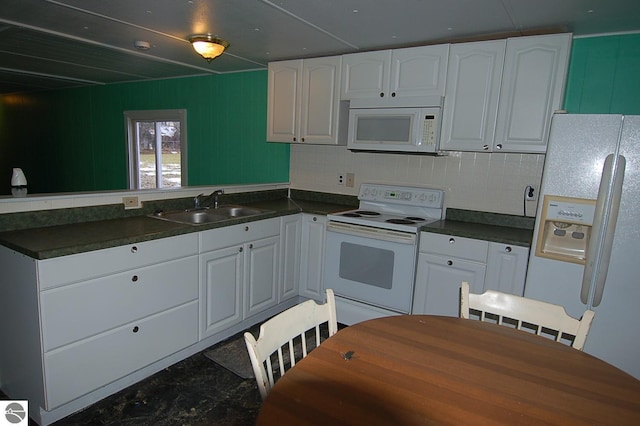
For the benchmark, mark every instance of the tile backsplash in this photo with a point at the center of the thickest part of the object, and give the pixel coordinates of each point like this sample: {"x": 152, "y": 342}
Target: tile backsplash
{"x": 492, "y": 182}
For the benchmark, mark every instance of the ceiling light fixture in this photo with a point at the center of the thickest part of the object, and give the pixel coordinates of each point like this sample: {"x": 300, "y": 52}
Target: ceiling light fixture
{"x": 207, "y": 46}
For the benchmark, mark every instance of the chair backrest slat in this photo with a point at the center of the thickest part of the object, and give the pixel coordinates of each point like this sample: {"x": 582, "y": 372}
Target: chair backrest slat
{"x": 537, "y": 315}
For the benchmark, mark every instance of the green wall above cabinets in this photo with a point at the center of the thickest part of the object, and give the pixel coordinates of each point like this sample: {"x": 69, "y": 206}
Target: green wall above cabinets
{"x": 74, "y": 140}
{"x": 604, "y": 75}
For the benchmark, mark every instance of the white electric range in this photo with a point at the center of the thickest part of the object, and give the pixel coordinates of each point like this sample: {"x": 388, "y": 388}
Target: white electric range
{"x": 370, "y": 254}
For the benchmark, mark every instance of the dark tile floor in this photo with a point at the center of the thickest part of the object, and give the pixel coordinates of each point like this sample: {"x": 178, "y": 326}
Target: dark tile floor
{"x": 195, "y": 391}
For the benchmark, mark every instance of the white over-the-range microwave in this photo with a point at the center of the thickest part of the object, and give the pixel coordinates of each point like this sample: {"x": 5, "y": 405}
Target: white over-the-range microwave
{"x": 407, "y": 125}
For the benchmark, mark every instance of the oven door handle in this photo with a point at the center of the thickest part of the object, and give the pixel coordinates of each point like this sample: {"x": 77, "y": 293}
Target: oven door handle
{"x": 369, "y": 232}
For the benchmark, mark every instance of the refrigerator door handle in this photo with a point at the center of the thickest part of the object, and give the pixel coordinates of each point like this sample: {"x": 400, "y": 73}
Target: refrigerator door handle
{"x": 598, "y": 217}
{"x": 607, "y": 243}
{"x": 602, "y": 233}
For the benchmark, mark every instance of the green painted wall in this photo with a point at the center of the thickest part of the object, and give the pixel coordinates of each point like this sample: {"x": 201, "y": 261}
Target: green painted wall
{"x": 604, "y": 75}
{"x": 74, "y": 140}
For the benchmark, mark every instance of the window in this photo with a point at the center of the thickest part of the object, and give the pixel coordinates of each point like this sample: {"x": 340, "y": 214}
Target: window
{"x": 157, "y": 142}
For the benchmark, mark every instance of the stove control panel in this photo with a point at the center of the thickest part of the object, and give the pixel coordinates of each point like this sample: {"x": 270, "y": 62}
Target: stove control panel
{"x": 388, "y": 194}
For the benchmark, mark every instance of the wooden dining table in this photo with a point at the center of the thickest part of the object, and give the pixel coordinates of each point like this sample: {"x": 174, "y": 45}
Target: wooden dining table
{"x": 420, "y": 369}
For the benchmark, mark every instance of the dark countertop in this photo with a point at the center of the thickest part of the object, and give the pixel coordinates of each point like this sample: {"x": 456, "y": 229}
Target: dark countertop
{"x": 480, "y": 231}
{"x": 500, "y": 228}
{"x": 61, "y": 239}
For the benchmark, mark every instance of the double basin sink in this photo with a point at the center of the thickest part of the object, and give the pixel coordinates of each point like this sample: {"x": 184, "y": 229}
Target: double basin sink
{"x": 206, "y": 215}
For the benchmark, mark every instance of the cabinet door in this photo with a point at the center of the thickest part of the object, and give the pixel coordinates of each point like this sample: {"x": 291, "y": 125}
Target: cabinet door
{"x": 290, "y": 235}
{"x": 221, "y": 279}
{"x": 471, "y": 96}
{"x": 366, "y": 75}
{"x": 506, "y": 268}
{"x": 284, "y": 87}
{"x": 419, "y": 71}
{"x": 261, "y": 279}
{"x": 320, "y": 103}
{"x": 438, "y": 279}
{"x": 312, "y": 256}
{"x": 532, "y": 89}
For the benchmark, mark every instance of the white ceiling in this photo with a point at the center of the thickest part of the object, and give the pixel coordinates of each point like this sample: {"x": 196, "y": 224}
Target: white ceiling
{"x": 50, "y": 44}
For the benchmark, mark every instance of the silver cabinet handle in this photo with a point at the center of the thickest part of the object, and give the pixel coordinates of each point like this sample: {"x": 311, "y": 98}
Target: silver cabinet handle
{"x": 136, "y": 329}
{"x": 499, "y": 146}
{"x": 246, "y": 228}
{"x": 450, "y": 262}
{"x": 508, "y": 249}
{"x": 134, "y": 278}
{"x": 134, "y": 249}
{"x": 485, "y": 147}
{"x": 241, "y": 249}
{"x": 452, "y": 240}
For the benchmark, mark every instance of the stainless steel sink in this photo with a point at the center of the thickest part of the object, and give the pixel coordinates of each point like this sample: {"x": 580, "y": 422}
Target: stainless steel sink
{"x": 207, "y": 215}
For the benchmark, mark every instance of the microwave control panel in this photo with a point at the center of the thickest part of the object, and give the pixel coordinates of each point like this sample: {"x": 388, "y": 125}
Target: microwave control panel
{"x": 429, "y": 126}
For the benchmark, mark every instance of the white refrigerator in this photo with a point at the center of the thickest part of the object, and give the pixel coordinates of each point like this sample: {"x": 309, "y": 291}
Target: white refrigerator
{"x": 597, "y": 158}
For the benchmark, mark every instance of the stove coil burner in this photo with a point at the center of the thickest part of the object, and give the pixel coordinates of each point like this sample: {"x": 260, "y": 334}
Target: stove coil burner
{"x": 367, "y": 213}
{"x": 415, "y": 219}
{"x": 351, "y": 214}
{"x": 401, "y": 221}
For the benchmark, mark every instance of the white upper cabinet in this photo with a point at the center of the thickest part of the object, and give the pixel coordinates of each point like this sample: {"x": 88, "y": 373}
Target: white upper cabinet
{"x": 415, "y": 71}
{"x": 304, "y": 102}
{"x": 533, "y": 83}
{"x": 500, "y": 95}
{"x": 471, "y": 95}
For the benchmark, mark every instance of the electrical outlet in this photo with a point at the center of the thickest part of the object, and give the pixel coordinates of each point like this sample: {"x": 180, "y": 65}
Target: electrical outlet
{"x": 340, "y": 179}
{"x": 131, "y": 203}
{"x": 351, "y": 180}
{"x": 531, "y": 193}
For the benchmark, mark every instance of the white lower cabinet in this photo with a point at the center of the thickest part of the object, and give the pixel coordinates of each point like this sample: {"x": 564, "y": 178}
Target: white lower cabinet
{"x": 99, "y": 316}
{"x": 239, "y": 273}
{"x": 506, "y": 268}
{"x": 444, "y": 261}
{"x": 312, "y": 256}
{"x": 86, "y": 325}
{"x": 290, "y": 241}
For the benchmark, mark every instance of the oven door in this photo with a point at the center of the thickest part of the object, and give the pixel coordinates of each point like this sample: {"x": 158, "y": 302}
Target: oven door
{"x": 371, "y": 265}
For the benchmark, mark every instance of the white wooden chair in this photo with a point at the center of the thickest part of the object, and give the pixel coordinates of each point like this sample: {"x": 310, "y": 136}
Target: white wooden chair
{"x": 288, "y": 337}
{"x": 543, "y": 318}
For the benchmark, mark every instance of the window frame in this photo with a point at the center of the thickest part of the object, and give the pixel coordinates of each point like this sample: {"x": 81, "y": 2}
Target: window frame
{"x": 133, "y": 161}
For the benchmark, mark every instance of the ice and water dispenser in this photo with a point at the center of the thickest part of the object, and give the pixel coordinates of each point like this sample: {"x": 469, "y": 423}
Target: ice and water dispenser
{"x": 565, "y": 228}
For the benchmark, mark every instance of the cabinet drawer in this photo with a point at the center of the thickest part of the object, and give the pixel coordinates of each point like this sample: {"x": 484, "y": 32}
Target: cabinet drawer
{"x": 82, "y": 367}
{"x": 74, "y": 312}
{"x": 214, "y": 239}
{"x": 450, "y": 245}
{"x": 93, "y": 264}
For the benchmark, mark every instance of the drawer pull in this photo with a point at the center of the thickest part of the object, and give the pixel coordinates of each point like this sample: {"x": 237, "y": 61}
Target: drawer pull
{"x": 246, "y": 228}
{"x": 134, "y": 278}
{"x": 450, "y": 262}
{"x": 251, "y": 245}
{"x": 315, "y": 219}
{"x": 136, "y": 329}
{"x": 241, "y": 249}
{"x": 134, "y": 249}
{"x": 452, "y": 240}
{"x": 507, "y": 249}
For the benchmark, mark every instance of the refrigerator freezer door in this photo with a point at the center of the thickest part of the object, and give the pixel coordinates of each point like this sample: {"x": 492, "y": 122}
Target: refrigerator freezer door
{"x": 578, "y": 146}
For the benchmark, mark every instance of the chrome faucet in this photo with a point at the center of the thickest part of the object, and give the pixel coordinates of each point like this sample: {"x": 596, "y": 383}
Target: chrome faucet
{"x": 198, "y": 201}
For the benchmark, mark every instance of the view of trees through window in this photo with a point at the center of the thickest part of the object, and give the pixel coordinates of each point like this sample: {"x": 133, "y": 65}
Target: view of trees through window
{"x": 159, "y": 154}
{"x": 157, "y": 145}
